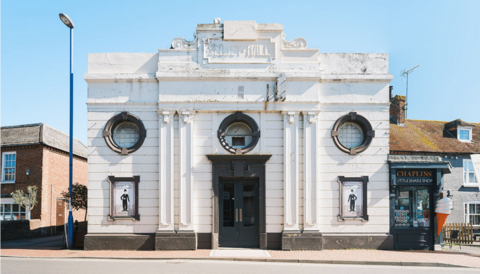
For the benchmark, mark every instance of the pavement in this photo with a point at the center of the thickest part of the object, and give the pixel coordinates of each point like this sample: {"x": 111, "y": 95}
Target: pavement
{"x": 72, "y": 266}
{"x": 36, "y": 248}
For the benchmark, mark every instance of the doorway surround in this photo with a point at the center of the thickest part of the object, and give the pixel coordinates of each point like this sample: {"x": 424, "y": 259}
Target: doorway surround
{"x": 229, "y": 166}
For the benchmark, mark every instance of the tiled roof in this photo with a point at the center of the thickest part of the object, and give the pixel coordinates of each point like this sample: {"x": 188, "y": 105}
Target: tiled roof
{"x": 431, "y": 136}
{"x": 40, "y": 134}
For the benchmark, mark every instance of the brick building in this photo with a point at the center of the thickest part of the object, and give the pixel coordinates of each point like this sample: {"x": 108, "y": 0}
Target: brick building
{"x": 453, "y": 142}
{"x": 37, "y": 154}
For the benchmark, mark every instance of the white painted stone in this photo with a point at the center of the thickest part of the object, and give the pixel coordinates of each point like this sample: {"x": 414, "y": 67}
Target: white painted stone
{"x": 182, "y": 95}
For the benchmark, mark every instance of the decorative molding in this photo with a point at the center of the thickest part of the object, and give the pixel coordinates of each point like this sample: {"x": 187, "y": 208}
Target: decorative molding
{"x": 297, "y": 43}
{"x": 182, "y": 43}
{"x": 311, "y": 116}
{"x": 186, "y": 116}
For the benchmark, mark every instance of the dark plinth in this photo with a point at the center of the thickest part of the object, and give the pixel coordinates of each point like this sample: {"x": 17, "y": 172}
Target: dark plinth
{"x": 176, "y": 241}
{"x": 295, "y": 240}
{"x": 119, "y": 242}
{"x": 381, "y": 242}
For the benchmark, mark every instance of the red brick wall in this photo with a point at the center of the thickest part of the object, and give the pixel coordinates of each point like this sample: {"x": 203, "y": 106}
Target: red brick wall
{"x": 55, "y": 174}
{"x": 28, "y": 157}
{"x": 48, "y": 169}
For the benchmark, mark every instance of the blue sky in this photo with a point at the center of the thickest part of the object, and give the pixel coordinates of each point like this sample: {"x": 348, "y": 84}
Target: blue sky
{"x": 440, "y": 36}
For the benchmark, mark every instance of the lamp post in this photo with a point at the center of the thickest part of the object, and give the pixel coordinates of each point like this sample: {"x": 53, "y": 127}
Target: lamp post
{"x": 69, "y": 23}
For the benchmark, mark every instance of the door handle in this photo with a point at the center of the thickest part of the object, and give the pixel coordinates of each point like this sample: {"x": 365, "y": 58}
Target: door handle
{"x": 240, "y": 214}
{"x": 236, "y": 215}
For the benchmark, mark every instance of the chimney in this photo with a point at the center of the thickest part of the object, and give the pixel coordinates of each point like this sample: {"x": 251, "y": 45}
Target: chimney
{"x": 397, "y": 109}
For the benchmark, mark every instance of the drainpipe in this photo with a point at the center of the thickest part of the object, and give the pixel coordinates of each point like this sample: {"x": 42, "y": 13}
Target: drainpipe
{"x": 51, "y": 208}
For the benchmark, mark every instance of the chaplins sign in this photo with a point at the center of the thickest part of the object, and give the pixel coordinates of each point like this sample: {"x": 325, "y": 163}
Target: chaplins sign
{"x": 414, "y": 176}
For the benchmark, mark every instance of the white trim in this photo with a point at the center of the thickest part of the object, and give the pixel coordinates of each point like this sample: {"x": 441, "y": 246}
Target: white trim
{"x": 469, "y": 134}
{"x": 3, "y": 167}
{"x": 466, "y": 182}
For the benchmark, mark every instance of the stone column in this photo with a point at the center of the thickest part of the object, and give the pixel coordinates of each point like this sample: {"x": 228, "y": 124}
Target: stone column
{"x": 185, "y": 238}
{"x": 310, "y": 147}
{"x": 290, "y": 173}
{"x": 166, "y": 172}
{"x": 186, "y": 170}
{"x": 292, "y": 238}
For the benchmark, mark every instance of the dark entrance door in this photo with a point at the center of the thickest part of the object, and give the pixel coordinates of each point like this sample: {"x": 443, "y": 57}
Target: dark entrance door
{"x": 239, "y": 217}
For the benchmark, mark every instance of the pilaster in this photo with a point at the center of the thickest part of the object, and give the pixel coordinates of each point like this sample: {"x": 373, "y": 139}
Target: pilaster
{"x": 186, "y": 185}
{"x": 310, "y": 153}
{"x": 290, "y": 163}
{"x": 166, "y": 171}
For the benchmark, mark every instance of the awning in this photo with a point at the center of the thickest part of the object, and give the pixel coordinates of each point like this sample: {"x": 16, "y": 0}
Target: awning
{"x": 476, "y": 166}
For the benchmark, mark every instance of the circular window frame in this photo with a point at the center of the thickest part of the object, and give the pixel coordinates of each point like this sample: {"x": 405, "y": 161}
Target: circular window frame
{"x": 368, "y": 132}
{"x": 117, "y": 120}
{"x": 238, "y": 117}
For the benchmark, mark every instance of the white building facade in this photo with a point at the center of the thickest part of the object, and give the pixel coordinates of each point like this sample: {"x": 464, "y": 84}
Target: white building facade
{"x": 238, "y": 138}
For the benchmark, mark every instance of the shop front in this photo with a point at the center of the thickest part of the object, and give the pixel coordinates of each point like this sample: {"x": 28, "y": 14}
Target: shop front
{"x": 415, "y": 186}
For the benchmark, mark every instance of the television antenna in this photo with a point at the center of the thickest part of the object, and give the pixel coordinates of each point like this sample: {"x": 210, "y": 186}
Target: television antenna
{"x": 407, "y": 72}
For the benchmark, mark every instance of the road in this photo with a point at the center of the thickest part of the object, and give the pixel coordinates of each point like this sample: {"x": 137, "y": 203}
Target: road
{"x": 73, "y": 266}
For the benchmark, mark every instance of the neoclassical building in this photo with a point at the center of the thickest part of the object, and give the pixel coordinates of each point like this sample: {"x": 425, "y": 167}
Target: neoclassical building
{"x": 241, "y": 137}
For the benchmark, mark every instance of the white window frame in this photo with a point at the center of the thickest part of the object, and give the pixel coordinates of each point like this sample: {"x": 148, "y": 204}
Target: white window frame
{"x": 466, "y": 182}
{"x": 467, "y": 214}
{"x": 10, "y": 201}
{"x": 3, "y": 167}
{"x": 469, "y": 134}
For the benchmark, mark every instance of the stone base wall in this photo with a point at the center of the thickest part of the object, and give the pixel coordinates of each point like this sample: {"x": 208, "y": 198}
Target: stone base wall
{"x": 15, "y": 230}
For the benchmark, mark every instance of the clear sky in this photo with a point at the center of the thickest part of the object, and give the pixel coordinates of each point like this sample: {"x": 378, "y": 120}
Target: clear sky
{"x": 443, "y": 37}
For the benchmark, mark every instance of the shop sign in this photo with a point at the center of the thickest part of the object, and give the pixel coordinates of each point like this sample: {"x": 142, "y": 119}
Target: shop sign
{"x": 415, "y": 176}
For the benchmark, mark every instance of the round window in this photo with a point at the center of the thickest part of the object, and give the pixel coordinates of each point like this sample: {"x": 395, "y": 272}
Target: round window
{"x": 126, "y": 134}
{"x": 238, "y": 135}
{"x": 350, "y": 135}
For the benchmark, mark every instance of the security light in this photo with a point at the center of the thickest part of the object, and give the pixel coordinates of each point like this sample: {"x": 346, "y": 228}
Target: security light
{"x": 66, "y": 20}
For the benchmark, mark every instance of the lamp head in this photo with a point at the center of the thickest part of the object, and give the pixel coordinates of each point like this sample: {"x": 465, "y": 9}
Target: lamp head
{"x": 66, "y": 20}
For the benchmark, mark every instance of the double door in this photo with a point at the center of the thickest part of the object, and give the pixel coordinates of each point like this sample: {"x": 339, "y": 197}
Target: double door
{"x": 239, "y": 216}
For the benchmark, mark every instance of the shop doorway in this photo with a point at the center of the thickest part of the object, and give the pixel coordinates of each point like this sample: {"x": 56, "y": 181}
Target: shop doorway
{"x": 239, "y": 213}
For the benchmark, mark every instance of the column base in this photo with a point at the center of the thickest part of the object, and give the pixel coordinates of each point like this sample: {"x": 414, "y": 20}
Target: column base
{"x": 176, "y": 240}
{"x": 308, "y": 240}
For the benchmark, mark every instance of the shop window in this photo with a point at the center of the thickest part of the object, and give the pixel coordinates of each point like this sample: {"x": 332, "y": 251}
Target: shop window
{"x": 124, "y": 133}
{"x": 9, "y": 162}
{"x": 472, "y": 213}
{"x": 12, "y": 212}
{"x": 469, "y": 179}
{"x": 238, "y": 133}
{"x": 412, "y": 207}
{"x": 352, "y": 133}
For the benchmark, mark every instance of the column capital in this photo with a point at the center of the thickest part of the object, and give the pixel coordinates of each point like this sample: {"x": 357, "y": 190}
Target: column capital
{"x": 165, "y": 114}
{"x": 186, "y": 115}
{"x": 310, "y": 116}
{"x": 290, "y": 116}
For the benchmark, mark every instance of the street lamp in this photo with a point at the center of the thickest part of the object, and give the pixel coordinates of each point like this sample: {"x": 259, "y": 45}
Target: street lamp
{"x": 69, "y": 23}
